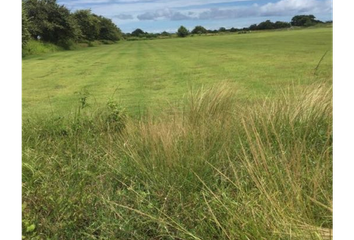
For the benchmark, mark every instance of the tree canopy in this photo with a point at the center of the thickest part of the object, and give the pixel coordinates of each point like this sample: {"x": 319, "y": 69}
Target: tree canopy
{"x": 304, "y": 20}
{"x": 51, "y": 22}
{"x": 89, "y": 24}
{"x": 138, "y": 32}
{"x": 182, "y": 31}
{"x": 199, "y": 30}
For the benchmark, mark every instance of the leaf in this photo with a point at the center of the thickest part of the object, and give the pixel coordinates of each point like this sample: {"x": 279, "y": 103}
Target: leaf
{"x": 31, "y": 228}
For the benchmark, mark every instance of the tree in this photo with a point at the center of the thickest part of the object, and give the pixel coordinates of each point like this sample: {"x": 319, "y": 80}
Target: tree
{"x": 26, "y": 36}
{"x": 150, "y": 35}
{"x": 164, "y": 33}
{"x": 222, "y": 29}
{"x": 199, "y": 30}
{"x": 51, "y": 22}
{"x": 279, "y": 24}
{"x": 138, "y": 33}
{"x": 182, "y": 32}
{"x": 304, "y": 20}
{"x": 108, "y": 30}
{"x": 253, "y": 27}
{"x": 89, "y": 24}
{"x": 212, "y": 31}
{"x": 265, "y": 25}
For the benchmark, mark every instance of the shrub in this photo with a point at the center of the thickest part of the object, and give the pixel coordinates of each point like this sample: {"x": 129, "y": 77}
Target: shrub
{"x": 67, "y": 44}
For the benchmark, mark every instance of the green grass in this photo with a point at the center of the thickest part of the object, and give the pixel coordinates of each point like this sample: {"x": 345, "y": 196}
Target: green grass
{"x": 223, "y": 137}
{"x": 34, "y": 47}
{"x": 218, "y": 169}
{"x": 146, "y": 74}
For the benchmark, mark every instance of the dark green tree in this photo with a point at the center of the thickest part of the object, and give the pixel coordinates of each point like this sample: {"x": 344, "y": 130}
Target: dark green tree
{"x": 164, "y": 33}
{"x": 265, "y": 25}
{"x": 89, "y": 24}
{"x": 212, "y": 31}
{"x": 304, "y": 20}
{"x": 182, "y": 31}
{"x": 50, "y": 21}
{"x": 108, "y": 30}
{"x": 279, "y": 24}
{"x": 253, "y": 27}
{"x": 199, "y": 30}
{"x": 138, "y": 33}
{"x": 222, "y": 29}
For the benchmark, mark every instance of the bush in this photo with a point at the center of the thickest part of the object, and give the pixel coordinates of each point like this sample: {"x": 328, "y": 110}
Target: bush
{"x": 67, "y": 44}
{"x": 94, "y": 43}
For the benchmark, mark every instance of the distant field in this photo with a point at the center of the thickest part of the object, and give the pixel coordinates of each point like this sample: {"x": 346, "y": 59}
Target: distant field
{"x": 145, "y": 74}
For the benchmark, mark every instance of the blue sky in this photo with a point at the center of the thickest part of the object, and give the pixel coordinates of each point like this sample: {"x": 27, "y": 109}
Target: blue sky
{"x": 162, "y": 15}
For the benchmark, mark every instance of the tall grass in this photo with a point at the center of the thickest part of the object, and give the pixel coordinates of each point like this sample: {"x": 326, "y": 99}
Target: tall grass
{"x": 217, "y": 169}
{"x": 34, "y": 47}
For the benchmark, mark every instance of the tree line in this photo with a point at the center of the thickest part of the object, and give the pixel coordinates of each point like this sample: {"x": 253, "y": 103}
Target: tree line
{"x": 50, "y": 22}
{"x": 298, "y": 20}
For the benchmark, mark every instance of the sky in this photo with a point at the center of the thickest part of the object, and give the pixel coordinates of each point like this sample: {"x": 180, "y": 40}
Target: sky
{"x": 161, "y": 15}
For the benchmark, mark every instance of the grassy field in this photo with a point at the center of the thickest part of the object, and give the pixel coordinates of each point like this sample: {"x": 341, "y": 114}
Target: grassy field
{"x": 222, "y": 137}
{"x": 144, "y": 74}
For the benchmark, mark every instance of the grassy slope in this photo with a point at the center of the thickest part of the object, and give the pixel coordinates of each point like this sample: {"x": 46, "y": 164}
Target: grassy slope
{"x": 145, "y": 73}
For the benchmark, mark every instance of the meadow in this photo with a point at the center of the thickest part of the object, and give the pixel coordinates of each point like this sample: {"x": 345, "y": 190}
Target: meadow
{"x": 206, "y": 137}
{"x": 146, "y": 74}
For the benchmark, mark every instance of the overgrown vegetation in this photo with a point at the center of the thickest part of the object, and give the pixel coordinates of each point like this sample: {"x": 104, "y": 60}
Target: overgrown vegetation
{"x": 50, "y": 22}
{"x": 34, "y": 47}
{"x": 212, "y": 168}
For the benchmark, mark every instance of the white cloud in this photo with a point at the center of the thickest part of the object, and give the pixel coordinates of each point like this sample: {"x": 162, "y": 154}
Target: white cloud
{"x": 296, "y": 6}
{"x": 166, "y": 13}
{"x": 113, "y": 7}
{"x": 281, "y": 8}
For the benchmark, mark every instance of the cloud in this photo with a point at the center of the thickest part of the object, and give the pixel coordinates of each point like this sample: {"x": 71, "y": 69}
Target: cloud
{"x": 147, "y": 16}
{"x": 177, "y": 16}
{"x": 296, "y": 6}
{"x": 131, "y": 14}
{"x": 215, "y": 13}
{"x": 281, "y": 8}
{"x": 163, "y": 14}
{"x": 124, "y": 16}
